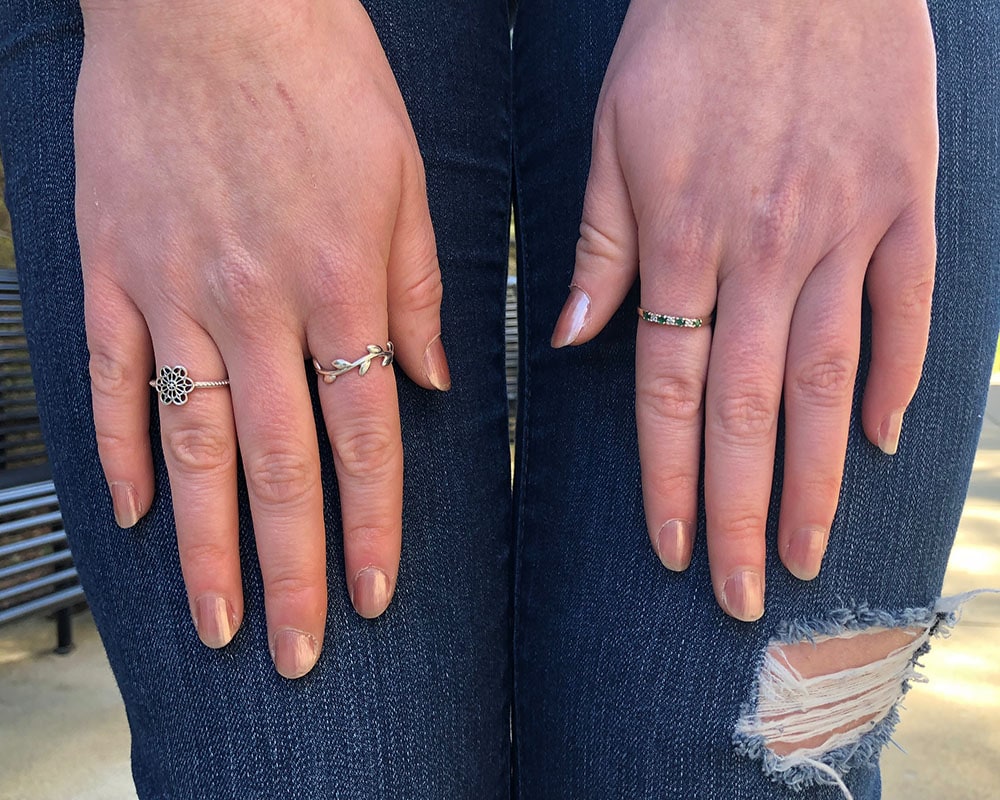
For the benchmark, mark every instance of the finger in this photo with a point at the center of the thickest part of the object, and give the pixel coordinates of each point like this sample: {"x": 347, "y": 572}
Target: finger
{"x": 199, "y": 446}
{"x": 743, "y": 394}
{"x": 820, "y": 370}
{"x": 361, "y": 413}
{"x": 121, "y": 361}
{"x": 671, "y": 366}
{"x": 414, "y": 288}
{"x": 607, "y": 253}
{"x": 900, "y": 284}
{"x": 280, "y": 453}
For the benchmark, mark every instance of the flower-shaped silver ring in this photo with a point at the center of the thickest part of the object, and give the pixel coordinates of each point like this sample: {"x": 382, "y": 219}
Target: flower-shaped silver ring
{"x": 173, "y": 385}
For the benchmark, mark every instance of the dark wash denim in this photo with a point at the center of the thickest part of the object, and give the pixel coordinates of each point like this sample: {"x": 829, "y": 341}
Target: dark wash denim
{"x": 626, "y": 681}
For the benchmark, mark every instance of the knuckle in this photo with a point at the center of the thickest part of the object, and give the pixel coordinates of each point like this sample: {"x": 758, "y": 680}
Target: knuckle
{"x": 110, "y": 377}
{"x": 744, "y": 527}
{"x": 773, "y": 224}
{"x": 825, "y": 379}
{"x": 598, "y": 244}
{"x": 239, "y": 284}
{"x": 679, "y": 486}
{"x": 365, "y": 453}
{"x": 749, "y": 414}
{"x": 199, "y": 449}
{"x": 820, "y": 489}
{"x": 371, "y": 538}
{"x": 203, "y": 556}
{"x": 280, "y": 478}
{"x": 688, "y": 240}
{"x": 112, "y": 443}
{"x": 294, "y": 587}
{"x": 425, "y": 293}
{"x": 915, "y": 298}
{"x": 677, "y": 398}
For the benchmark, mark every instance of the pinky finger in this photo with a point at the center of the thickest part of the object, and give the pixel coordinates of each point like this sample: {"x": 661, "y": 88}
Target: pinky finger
{"x": 121, "y": 362}
{"x": 900, "y": 283}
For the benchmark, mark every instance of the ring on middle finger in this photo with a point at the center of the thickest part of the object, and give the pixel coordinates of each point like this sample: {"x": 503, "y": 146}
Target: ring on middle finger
{"x": 341, "y": 366}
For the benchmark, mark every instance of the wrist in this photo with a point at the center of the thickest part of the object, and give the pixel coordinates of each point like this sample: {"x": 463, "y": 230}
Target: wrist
{"x": 198, "y": 28}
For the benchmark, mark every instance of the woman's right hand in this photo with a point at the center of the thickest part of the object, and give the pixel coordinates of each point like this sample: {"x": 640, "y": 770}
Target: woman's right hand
{"x": 249, "y": 195}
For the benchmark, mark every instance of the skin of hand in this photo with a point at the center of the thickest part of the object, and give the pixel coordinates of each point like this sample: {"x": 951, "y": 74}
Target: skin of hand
{"x": 250, "y": 194}
{"x": 771, "y": 160}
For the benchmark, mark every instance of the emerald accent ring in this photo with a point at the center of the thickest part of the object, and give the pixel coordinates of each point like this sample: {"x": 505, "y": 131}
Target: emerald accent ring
{"x": 173, "y": 385}
{"x": 363, "y": 364}
{"x": 674, "y": 321}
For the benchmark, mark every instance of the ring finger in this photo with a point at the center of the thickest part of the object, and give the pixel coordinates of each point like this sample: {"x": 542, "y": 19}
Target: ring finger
{"x": 671, "y": 364}
{"x": 199, "y": 446}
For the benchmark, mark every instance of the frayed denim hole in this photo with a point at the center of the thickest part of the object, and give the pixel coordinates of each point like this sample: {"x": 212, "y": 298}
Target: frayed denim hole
{"x": 811, "y": 725}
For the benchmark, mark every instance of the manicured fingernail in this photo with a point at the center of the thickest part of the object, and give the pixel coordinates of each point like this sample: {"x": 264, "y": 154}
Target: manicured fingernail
{"x": 371, "y": 592}
{"x": 673, "y": 544}
{"x": 436, "y": 365}
{"x": 743, "y": 595}
{"x": 804, "y": 555}
{"x": 125, "y": 500}
{"x": 888, "y": 433}
{"x": 294, "y": 652}
{"x": 573, "y": 317}
{"x": 215, "y": 620}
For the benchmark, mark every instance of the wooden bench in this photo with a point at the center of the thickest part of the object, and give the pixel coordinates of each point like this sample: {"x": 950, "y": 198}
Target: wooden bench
{"x": 37, "y": 575}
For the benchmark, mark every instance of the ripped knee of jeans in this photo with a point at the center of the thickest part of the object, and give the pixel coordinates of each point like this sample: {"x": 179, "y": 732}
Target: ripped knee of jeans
{"x": 828, "y": 691}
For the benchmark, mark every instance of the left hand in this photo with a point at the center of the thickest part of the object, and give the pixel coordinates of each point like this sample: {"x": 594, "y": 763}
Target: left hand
{"x": 768, "y": 159}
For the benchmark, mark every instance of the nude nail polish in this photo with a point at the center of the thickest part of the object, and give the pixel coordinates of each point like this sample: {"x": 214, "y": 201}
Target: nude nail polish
{"x": 436, "y": 365}
{"x": 888, "y": 433}
{"x": 371, "y": 592}
{"x": 743, "y": 595}
{"x": 804, "y": 555}
{"x": 294, "y": 652}
{"x": 572, "y": 319}
{"x": 673, "y": 544}
{"x": 215, "y": 621}
{"x": 125, "y": 501}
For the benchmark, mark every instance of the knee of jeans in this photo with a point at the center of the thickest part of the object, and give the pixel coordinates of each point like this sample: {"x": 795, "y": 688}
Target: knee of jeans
{"x": 827, "y": 691}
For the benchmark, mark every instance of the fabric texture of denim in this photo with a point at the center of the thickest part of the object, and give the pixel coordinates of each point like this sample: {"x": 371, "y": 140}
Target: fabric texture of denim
{"x": 626, "y": 680}
{"x": 629, "y": 680}
{"x": 414, "y": 704}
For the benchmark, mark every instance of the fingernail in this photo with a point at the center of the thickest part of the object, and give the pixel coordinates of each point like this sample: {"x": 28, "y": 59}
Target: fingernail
{"x": 888, "y": 433}
{"x": 572, "y": 319}
{"x": 126, "y": 503}
{"x": 673, "y": 544}
{"x": 804, "y": 555}
{"x": 371, "y": 592}
{"x": 215, "y": 620}
{"x": 436, "y": 365}
{"x": 743, "y": 595}
{"x": 294, "y": 653}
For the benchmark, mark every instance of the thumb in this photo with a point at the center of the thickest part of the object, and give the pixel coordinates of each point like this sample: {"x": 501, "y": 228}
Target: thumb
{"x": 414, "y": 287}
{"x": 607, "y": 253}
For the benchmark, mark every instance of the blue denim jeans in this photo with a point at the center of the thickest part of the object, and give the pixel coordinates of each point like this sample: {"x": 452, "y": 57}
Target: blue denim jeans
{"x": 624, "y": 680}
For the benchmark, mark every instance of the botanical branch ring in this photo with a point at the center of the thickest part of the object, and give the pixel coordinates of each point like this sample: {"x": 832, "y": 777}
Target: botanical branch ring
{"x": 173, "y": 385}
{"x": 363, "y": 364}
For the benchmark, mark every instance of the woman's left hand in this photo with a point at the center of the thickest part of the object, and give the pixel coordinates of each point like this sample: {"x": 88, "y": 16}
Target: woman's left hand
{"x": 768, "y": 159}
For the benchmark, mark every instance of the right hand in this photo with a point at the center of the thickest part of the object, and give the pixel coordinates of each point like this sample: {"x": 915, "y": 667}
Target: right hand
{"x": 250, "y": 195}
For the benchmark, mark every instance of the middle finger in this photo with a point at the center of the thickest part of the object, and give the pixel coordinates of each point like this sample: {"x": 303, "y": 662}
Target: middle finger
{"x": 743, "y": 394}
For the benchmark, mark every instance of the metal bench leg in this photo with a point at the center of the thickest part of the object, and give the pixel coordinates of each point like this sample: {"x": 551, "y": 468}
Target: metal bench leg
{"x": 64, "y": 632}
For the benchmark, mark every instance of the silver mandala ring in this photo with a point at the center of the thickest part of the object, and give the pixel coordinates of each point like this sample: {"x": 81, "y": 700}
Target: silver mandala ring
{"x": 674, "y": 321}
{"x": 342, "y": 366}
{"x": 174, "y": 386}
